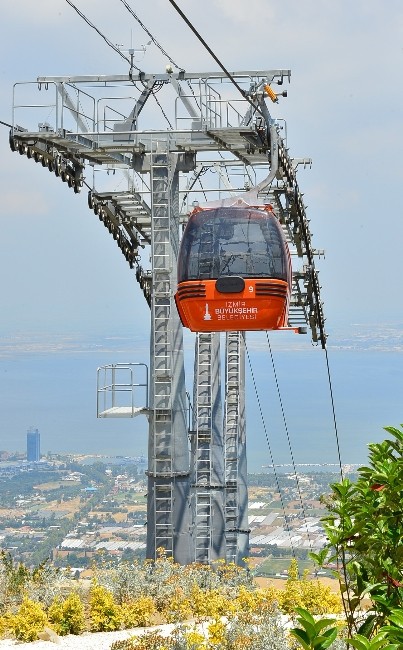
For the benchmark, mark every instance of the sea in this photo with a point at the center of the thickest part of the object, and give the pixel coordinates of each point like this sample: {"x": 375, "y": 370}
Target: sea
{"x": 302, "y": 406}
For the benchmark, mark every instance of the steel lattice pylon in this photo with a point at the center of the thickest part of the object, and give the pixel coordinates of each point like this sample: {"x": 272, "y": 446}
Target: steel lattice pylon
{"x": 197, "y": 484}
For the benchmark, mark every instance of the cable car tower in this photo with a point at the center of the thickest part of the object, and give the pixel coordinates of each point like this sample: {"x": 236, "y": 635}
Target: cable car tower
{"x": 217, "y": 147}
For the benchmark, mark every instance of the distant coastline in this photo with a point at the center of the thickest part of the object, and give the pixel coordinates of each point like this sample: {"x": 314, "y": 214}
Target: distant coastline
{"x": 50, "y": 382}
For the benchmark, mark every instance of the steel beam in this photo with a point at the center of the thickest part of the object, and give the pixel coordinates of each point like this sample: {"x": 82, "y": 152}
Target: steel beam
{"x": 182, "y": 75}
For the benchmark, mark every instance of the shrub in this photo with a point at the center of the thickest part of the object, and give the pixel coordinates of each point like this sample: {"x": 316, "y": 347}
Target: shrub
{"x": 208, "y": 603}
{"x": 5, "y": 624}
{"x": 161, "y": 578}
{"x": 13, "y": 581}
{"x": 17, "y": 582}
{"x": 307, "y": 594}
{"x": 177, "y": 607}
{"x": 251, "y": 606}
{"x": 105, "y": 614}
{"x": 194, "y": 640}
{"x": 45, "y": 583}
{"x": 217, "y": 632}
{"x": 126, "y": 581}
{"x": 67, "y": 616}
{"x": 178, "y": 594}
{"x": 148, "y": 641}
{"x": 137, "y": 612}
{"x": 28, "y": 621}
{"x": 319, "y": 599}
{"x": 264, "y": 632}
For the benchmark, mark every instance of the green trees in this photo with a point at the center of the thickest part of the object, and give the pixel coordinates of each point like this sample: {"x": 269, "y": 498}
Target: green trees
{"x": 365, "y": 532}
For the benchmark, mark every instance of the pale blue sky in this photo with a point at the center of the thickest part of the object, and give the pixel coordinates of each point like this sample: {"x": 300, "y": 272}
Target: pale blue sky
{"x": 60, "y": 270}
{"x": 344, "y": 110}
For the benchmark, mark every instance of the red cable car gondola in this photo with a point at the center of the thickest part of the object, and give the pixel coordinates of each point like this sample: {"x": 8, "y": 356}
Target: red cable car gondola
{"x": 234, "y": 271}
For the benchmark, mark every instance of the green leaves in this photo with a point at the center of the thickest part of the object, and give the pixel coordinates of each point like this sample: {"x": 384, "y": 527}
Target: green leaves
{"x": 394, "y": 631}
{"x": 362, "y": 643}
{"x": 321, "y": 557}
{"x": 365, "y": 529}
{"x": 312, "y": 635}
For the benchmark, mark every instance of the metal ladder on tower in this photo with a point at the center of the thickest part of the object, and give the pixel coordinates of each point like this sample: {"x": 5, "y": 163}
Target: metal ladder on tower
{"x": 234, "y": 444}
{"x": 202, "y": 449}
{"x": 161, "y": 350}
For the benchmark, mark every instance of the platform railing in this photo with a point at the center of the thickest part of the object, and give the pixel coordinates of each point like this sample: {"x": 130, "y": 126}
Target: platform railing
{"x": 116, "y": 390}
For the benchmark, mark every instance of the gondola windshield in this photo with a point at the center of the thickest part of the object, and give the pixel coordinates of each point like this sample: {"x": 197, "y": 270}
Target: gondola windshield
{"x": 234, "y": 271}
{"x": 232, "y": 242}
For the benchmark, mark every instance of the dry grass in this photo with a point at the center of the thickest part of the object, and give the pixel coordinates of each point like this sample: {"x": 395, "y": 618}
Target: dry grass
{"x": 279, "y": 583}
{"x": 8, "y": 512}
{"x": 52, "y": 485}
{"x": 136, "y": 508}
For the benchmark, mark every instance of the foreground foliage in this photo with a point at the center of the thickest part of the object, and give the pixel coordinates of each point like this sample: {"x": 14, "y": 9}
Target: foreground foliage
{"x": 314, "y": 634}
{"x": 148, "y": 593}
{"x": 365, "y": 532}
{"x": 67, "y": 615}
{"x": 264, "y": 632}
